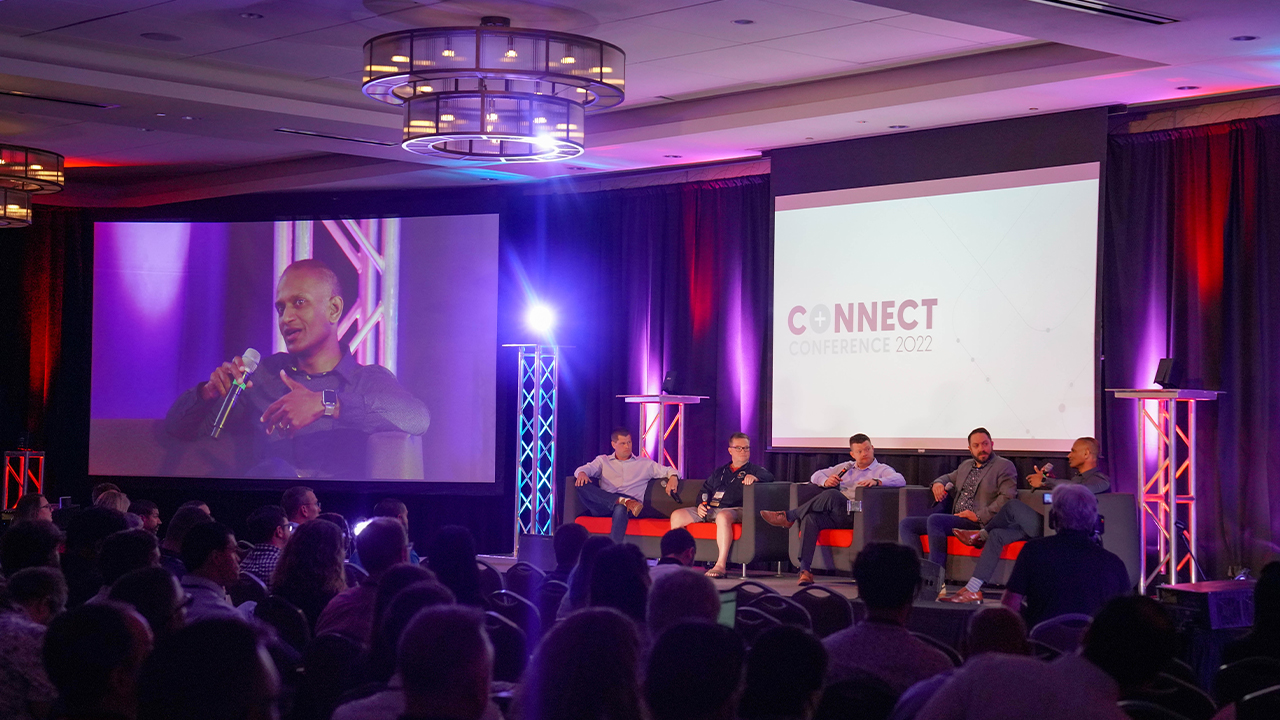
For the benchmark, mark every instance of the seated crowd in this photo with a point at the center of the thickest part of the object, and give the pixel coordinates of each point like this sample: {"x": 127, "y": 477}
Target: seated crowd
{"x": 303, "y": 618}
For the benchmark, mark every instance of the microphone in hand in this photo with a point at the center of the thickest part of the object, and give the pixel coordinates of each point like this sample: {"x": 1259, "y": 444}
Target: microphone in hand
{"x": 249, "y": 361}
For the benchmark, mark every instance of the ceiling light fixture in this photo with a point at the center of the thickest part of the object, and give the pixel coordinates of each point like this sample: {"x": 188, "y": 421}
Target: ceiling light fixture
{"x": 1188, "y": 87}
{"x": 744, "y": 22}
{"x": 898, "y": 127}
{"x": 494, "y": 93}
{"x": 251, "y": 16}
{"x": 25, "y": 172}
{"x": 1244, "y": 38}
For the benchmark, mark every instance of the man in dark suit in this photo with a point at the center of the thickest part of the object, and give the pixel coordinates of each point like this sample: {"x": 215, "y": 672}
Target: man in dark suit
{"x": 965, "y": 499}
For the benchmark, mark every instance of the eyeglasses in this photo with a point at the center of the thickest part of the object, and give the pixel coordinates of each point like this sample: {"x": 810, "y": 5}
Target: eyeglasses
{"x": 739, "y": 447}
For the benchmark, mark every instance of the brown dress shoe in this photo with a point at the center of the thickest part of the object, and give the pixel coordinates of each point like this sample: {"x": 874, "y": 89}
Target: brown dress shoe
{"x": 633, "y": 506}
{"x": 972, "y": 538}
{"x": 964, "y": 597}
{"x": 777, "y": 518}
{"x": 806, "y": 577}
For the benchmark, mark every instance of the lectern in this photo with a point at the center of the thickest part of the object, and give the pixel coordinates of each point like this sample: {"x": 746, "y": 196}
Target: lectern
{"x": 1167, "y": 489}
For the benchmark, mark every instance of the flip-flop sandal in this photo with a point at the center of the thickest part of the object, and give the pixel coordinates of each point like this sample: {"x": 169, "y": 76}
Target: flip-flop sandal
{"x": 714, "y": 573}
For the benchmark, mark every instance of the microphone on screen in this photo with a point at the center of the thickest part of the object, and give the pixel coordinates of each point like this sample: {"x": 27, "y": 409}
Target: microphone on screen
{"x": 249, "y": 360}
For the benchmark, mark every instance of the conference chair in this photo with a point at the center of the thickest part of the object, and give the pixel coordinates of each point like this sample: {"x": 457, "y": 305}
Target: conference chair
{"x": 490, "y": 579}
{"x": 1043, "y": 651}
{"x": 862, "y": 697}
{"x": 510, "y": 647}
{"x": 329, "y": 665}
{"x": 1063, "y": 632}
{"x": 1261, "y": 705}
{"x": 829, "y": 610}
{"x": 1143, "y": 710}
{"x": 519, "y": 611}
{"x": 524, "y": 580}
{"x": 1242, "y": 677}
{"x": 288, "y": 620}
{"x": 749, "y": 590}
{"x": 750, "y": 622}
{"x": 353, "y": 574}
{"x": 944, "y": 648}
{"x": 1181, "y": 697}
{"x": 248, "y": 588}
{"x": 875, "y": 519}
{"x": 784, "y": 610}
{"x": 550, "y": 594}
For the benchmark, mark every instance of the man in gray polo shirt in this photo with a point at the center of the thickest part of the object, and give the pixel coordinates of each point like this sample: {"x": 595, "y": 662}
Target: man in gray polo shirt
{"x": 965, "y": 499}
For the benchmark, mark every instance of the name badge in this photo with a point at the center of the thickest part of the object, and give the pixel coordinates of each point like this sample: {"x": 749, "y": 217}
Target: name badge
{"x": 715, "y": 499}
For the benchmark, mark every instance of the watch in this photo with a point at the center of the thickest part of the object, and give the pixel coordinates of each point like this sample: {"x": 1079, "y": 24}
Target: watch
{"x": 330, "y": 400}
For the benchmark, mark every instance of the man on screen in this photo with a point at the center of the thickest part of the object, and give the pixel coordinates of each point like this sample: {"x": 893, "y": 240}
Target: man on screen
{"x": 614, "y": 485}
{"x": 311, "y": 409}
{"x": 1019, "y": 521}
{"x": 966, "y": 499}
{"x": 829, "y": 509}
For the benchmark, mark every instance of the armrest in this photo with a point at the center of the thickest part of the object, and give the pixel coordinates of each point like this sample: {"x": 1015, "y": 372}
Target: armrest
{"x": 572, "y": 508}
{"x": 761, "y": 541}
{"x": 656, "y": 496}
{"x": 914, "y": 501}
{"x": 879, "y": 521}
{"x": 802, "y": 493}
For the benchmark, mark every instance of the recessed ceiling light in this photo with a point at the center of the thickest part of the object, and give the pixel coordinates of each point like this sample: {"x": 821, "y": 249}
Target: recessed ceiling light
{"x": 1033, "y": 108}
{"x": 1244, "y": 38}
{"x": 808, "y": 138}
{"x": 189, "y": 117}
{"x": 744, "y": 22}
{"x": 144, "y": 129}
{"x": 160, "y": 114}
{"x": 161, "y": 37}
{"x": 898, "y": 127}
{"x": 576, "y": 167}
{"x": 673, "y": 156}
{"x": 1188, "y": 87}
{"x": 251, "y": 16}
{"x": 861, "y": 122}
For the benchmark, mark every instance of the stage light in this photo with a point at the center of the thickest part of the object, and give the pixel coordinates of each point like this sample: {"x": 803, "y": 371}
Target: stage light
{"x": 360, "y": 526}
{"x": 540, "y": 319}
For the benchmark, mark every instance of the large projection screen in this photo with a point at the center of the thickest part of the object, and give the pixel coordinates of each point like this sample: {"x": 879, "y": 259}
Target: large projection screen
{"x": 173, "y": 300}
{"x": 917, "y": 311}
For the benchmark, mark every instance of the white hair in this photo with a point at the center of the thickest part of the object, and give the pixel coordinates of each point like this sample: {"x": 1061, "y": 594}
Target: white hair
{"x": 1076, "y": 507}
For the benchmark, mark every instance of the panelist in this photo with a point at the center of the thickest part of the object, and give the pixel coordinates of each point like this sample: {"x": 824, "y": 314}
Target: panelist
{"x": 309, "y": 410}
{"x": 829, "y": 509}
{"x": 966, "y": 498}
{"x": 614, "y": 485}
{"x": 721, "y": 500}
{"x": 1019, "y": 521}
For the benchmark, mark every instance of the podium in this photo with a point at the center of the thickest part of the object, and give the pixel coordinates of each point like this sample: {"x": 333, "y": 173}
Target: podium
{"x": 1167, "y": 489}
{"x": 658, "y": 405}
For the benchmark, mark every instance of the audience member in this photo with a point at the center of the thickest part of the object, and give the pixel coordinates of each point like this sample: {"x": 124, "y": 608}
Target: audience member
{"x": 1264, "y": 639}
{"x": 155, "y": 593}
{"x": 149, "y": 512}
{"x": 33, "y": 543}
{"x": 113, "y": 499}
{"x": 92, "y": 655}
{"x": 567, "y": 543}
{"x": 393, "y": 508}
{"x": 452, "y": 557}
{"x": 209, "y": 554}
{"x": 38, "y": 595}
{"x": 214, "y": 669}
{"x": 989, "y": 630}
{"x": 269, "y": 530}
{"x": 380, "y": 660}
{"x": 300, "y": 504}
{"x": 678, "y": 548}
{"x": 395, "y": 579}
{"x": 85, "y": 535}
{"x": 887, "y": 575}
{"x": 446, "y": 663}
{"x": 621, "y": 581}
{"x": 124, "y": 552}
{"x": 695, "y": 673}
{"x": 681, "y": 596}
{"x": 785, "y": 671}
{"x": 348, "y": 539}
{"x": 187, "y": 517}
{"x": 101, "y": 488}
{"x": 199, "y": 505}
{"x": 382, "y": 544}
{"x": 32, "y": 506}
{"x": 1067, "y": 572}
{"x": 580, "y": 577}
{"x": 309, "y": 573}
{"x": 1128, "y": 642}
{"x": 586, "y": 668}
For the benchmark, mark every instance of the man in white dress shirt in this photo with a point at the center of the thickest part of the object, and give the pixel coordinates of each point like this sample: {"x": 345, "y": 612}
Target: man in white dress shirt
{"x": 614, "y": 485}
{"x": 829, "y": 509}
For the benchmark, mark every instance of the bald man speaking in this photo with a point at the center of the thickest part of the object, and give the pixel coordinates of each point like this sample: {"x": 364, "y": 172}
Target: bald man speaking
{"x": 311, "y": 409}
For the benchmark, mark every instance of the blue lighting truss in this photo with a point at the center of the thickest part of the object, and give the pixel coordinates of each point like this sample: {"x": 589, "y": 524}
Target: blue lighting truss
{"x": 539, "y": 369}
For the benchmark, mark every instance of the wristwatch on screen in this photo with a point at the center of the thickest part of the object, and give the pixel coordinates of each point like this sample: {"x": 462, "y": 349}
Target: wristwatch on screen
{"x": 330, "y": 400}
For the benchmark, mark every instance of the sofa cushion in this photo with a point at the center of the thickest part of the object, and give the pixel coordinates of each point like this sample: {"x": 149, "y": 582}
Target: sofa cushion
{"x": 955, "y": 547}
{"x": 653, "y": 527}
{"x": 836, "y": 538}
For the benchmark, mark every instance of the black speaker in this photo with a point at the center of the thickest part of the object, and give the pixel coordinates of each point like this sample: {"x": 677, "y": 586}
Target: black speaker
{"x": 1168, "y": 374}
{"x": 932, "y": 580}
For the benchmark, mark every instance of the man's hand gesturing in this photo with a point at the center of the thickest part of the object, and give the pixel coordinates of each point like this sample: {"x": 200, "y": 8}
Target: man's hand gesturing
{"x": 219, "y": 383}
{"x": 297, "y": 409}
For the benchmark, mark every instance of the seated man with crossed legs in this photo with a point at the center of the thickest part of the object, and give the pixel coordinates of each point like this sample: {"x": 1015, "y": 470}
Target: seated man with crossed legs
{"x": 830, "y": 508}
{"x": 620, "y": 482}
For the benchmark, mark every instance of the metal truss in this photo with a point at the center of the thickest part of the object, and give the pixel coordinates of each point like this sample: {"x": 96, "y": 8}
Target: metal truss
{"x": 538, "y": 373}
{"x": 373, "y": 248}
{"x": 24, "y": 472}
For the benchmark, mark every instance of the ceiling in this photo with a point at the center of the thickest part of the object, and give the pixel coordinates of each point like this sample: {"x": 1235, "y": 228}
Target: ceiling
{"x": 176, "y": 100}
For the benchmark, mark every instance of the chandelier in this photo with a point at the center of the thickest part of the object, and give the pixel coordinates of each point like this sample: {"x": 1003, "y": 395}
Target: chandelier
{"x": 493, "y": 93}
{"x": 25, "y": 172}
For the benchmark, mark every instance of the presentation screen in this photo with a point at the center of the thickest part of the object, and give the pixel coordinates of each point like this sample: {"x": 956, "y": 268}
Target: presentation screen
{"x": 377, "y": 339}
{"x": 918, "y": 311}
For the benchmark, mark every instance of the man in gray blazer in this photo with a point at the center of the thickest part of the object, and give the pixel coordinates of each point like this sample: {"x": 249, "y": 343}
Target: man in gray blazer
{"x": 964, "y": 499}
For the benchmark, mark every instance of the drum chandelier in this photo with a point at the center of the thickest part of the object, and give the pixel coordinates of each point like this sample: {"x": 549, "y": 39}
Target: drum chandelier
{"x": 493, "y": 93}
{"x": 25, "y": 172}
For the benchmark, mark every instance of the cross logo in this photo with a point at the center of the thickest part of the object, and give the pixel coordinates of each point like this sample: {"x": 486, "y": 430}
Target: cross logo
{"x": 819, "y": 319}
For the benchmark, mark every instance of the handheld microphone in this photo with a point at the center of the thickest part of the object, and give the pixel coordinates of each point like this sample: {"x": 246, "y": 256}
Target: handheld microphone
{"x": 1046, "y": 469}
{"x": 249, "y": 360}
